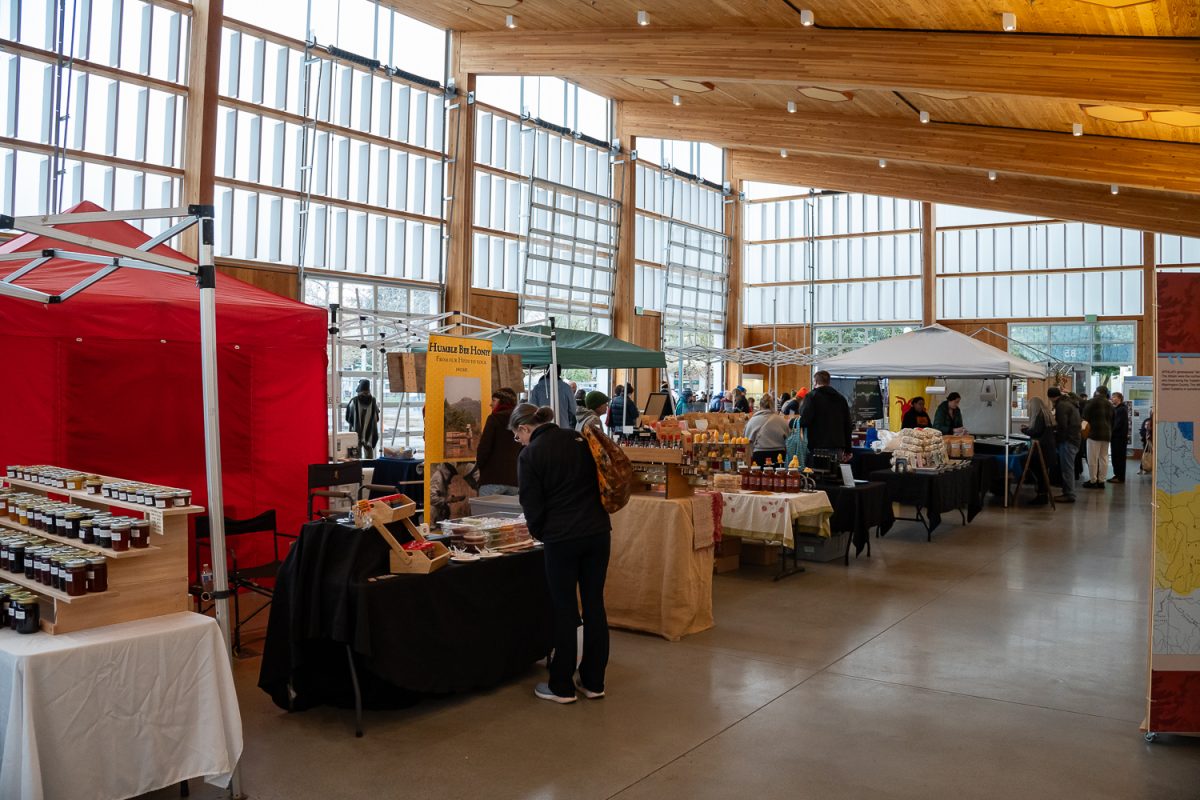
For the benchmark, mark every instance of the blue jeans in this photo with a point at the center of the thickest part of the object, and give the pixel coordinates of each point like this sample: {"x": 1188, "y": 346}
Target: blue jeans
{"x": 488, "y": 489}
{"x": 1066, "y": 461}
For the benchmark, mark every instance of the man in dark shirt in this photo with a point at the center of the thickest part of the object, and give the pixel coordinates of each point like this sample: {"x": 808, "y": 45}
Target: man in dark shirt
{"x": 825, "y": 416}
{"x": 1068, "y": 432}
{"x": 1120, "y": 437}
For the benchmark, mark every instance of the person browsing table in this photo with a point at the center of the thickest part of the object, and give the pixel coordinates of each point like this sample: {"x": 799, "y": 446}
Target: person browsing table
{"x": 560, "y": 496}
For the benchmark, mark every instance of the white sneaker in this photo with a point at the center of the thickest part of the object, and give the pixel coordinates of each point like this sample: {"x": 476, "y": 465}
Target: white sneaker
{"x": 588, "y": 693}
{"x": 542, "y": 692}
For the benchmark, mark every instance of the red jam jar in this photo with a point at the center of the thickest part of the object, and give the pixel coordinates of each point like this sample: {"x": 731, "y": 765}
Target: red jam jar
{"x": 139, "y": 534}
{"x": 120, "y": 535}
{"x": 97, "y": 575}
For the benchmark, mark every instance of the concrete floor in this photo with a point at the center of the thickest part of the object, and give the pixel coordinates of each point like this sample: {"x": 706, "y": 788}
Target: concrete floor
{"x": 1004, "y": 659}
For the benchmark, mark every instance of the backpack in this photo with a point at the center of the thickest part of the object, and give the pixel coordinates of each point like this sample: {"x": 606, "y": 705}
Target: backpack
{"x": 614, "y": 473}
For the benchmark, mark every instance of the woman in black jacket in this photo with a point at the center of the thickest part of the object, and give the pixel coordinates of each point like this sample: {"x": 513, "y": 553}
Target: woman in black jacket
{"x": 560, "y": 496}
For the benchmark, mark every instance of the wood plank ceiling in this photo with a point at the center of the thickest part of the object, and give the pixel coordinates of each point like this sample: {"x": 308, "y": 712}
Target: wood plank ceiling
{"x": 1128, "y": 71}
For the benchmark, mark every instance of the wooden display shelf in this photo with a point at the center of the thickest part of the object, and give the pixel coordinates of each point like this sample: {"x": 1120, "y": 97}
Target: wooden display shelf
{"x": 37, "y": 587}
{"x": 132, "y": 552}
{"x": 96, "y": 499}
{"x": 654, "y": 455}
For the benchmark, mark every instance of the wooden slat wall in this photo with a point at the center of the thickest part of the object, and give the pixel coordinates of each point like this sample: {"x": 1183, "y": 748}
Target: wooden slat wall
{"x": 791, "y": 378}
{"x": 280, "y": 281}
{"x": 499, "y": 307}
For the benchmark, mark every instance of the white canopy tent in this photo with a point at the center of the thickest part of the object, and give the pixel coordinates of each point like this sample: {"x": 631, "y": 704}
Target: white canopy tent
{"x": 938, "y": 351}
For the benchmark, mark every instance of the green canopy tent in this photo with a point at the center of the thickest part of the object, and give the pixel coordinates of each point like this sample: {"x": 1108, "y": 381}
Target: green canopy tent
{"x": 575, "y": 349}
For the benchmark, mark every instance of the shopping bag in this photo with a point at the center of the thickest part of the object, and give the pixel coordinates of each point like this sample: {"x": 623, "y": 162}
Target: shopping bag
{"x": 614, "y": 472}
{"x": 795, "y": 446}
{"x": 1148, "y": 456}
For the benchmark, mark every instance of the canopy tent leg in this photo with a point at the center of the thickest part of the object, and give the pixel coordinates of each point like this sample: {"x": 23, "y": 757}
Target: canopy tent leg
{"x": 207, "y": 280}
{"x": 1007, "y": 436}
{"x": 334, "y": 379}
{"x": 552, "y": 382}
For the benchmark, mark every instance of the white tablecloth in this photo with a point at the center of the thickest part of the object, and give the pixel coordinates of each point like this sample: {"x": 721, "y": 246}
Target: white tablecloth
{"x": 775, "y": 517}
{"x": 117, "y": 711}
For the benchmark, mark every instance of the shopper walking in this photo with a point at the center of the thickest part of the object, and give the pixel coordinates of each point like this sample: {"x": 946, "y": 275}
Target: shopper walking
{"x": 741, "y": 405}
{"x": 560, "y": 496}
{"x": 1120, "y": 437}
{"x": 791, "y": 405}
{"x": 622, "y": 410}
{"x": 1041, "y": 430}
{"x": 595, "y": 408}
{"x": 497, "y": 454}
{"x": 825, "y": 417}
{"x": 362, "y": 415}
{"x": 767, "y": 432}
{"x": 1067, "y": 433}
{"x": 1098, "y": 413}
{"x": 540, "y": 396}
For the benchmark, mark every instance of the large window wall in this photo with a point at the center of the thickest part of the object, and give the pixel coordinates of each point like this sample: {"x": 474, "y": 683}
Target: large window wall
{"x": 108, "y": 125}
{"x": 831, "y": 257}
{"x": 681, "y": 250}
{"x": 999, "y": 266}
{"x": 545, "y": 223}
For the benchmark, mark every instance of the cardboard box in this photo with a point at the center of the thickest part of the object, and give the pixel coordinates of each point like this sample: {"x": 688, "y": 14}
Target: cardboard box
{"x": 760, "y": 553}
{"x": 820, "y": 548}
{"x": 725, "y": 563}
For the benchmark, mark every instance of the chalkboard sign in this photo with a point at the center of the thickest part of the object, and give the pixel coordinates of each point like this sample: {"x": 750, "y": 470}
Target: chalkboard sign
{"x": 868, "y": 400}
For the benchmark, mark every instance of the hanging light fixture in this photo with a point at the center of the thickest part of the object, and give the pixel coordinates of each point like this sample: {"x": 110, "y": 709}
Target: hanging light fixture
{"x": 1077, "y": 129}
{"x": 1115, "y": 189}
{"x": 643, "y": 18}
{"x": 883, "y": 163}
{"x": 1008, "y": 21}
{"x": 791, "y": 106}
{"x": 991, "y": 174}
{"x": 924, "y": 117}
{"x": 806, "y": 17}
{"x": 675, "y": 101}
{"x": 783, "y": 153}
{"x": 510, "y": 21}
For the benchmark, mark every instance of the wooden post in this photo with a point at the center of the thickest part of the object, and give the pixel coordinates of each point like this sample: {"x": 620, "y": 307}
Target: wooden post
{"x": 200, "y": 133}
{"x": 1148, "y": 327}
{"x": 461, "y": 186}
{"x": 624, "y": 185}
{"x": 928, "y": 265}
{"x": 734, "y": 334}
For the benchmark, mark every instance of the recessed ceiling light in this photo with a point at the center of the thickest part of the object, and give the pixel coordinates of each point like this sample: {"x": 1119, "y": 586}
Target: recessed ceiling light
{"x": 1008, "y": 21}
{"x": 991, "y": 174}
{"x": 806, "y": 18}
{"x": 791, "y": 106}
{"x": 1077, "y": 129}
{"x": 883, "y": 163}
{"x": 924, "y": 117}
{"x": 510, "y": 21}
{"x": 1115, "y": 113}
{"x": 1115, "y": 189}
{"x": 643, "y": 18}
{"x": 828, "y": 95}
{"x": 1183, "y": 119}
{"x": 675, "y": 101}
{"x": 783, "y": 153}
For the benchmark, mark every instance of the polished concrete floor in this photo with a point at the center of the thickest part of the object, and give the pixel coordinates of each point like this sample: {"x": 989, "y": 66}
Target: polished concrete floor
{"x": 1004, "y": 659}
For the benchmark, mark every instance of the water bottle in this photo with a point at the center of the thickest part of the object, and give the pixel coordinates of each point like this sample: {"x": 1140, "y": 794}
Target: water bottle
{"x": 206, "y": 578}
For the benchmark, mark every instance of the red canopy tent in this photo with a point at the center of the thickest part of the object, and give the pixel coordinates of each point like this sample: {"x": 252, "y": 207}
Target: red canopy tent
{"x": 110, "y": 382}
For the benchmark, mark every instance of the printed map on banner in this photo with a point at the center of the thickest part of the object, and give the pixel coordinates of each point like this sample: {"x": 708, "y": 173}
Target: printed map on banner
{"x": 1177, "y": 546}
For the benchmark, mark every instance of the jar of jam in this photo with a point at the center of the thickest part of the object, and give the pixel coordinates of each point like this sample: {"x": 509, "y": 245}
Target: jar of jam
{"x": 6, "y": 590}
{"x": 26, "y": 614}
{"x": 120, "y": 535}
{"x": 71, "y": 524}
{"x": 107, "y": 489}
{"x": 103, "y": 531}
{"x": 30, "y": 561}
{"x": 87, "y": 531}
{"x": 139, "y": 533}
{"x": 182, "y": 498}
{"x": 75, "y": 584}
{"x": 93, "y": 486}
{"x": 74, "y": 481}
{"x": 97, "y": 574}
{"x": 4, "y": 503}
{"x": 164, "y": 499}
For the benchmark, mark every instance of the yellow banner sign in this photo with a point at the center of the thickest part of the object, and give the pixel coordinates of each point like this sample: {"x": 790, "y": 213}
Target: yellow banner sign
{"x": 458, "y": 389}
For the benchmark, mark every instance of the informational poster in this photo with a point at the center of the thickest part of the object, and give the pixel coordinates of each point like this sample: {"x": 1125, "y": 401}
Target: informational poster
{"x": 868, "y": 400}
{"x": 458, "y": 390}
{"x": 1175, "y": 643}
{"x": 1139, "y": 393}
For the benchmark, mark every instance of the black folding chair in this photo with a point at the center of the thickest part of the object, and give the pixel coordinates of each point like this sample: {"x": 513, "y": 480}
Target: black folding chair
{"x": 241, "y": 577}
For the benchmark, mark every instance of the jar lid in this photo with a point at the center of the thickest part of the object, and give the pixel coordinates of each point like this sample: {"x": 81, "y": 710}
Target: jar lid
{"x": 75, "y": 563}
{"x": 97, "y": 560}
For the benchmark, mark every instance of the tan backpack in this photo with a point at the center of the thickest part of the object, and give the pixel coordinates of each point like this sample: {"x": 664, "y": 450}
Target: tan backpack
{"x": 614, "y": 473}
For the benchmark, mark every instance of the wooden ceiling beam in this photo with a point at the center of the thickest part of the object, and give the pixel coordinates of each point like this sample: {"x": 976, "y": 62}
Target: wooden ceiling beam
{"x": 1092, "y": 68}
{"x": 1163, "y": 212}
{"x": 1170, "y": 166}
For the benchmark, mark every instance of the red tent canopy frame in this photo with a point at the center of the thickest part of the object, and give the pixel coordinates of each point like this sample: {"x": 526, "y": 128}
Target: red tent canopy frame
{"x": 110, "y": 381}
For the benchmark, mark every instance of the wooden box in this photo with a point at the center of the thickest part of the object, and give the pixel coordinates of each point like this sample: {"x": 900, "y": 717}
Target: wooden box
{"x": 401, "y": 561}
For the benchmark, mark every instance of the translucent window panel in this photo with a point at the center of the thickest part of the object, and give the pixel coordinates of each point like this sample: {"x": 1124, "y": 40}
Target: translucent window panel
{"x": 1178, "y": 249}
{"x": 955, "y": 216}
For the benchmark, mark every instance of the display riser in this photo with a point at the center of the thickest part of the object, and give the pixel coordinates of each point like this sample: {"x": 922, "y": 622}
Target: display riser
{"x": 147, "y": 586}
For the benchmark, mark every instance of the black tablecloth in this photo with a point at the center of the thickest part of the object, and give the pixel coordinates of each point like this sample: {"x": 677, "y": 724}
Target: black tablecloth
{"x": 983, "y": 471}
{"x": 858, "y": 510}
{"x": 464, "y": 627}
{"x": 864, "y": 461}
{"x": 932, "y": 493}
